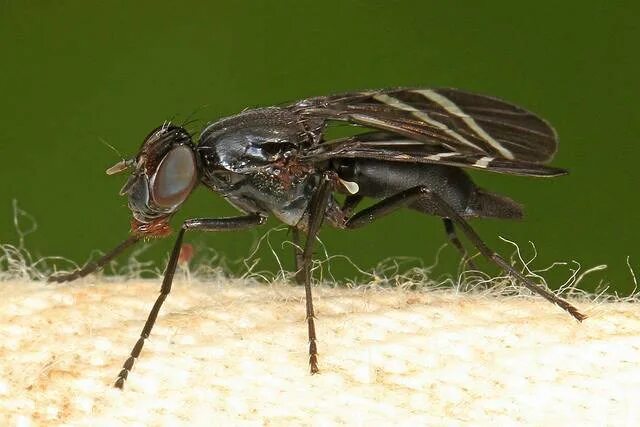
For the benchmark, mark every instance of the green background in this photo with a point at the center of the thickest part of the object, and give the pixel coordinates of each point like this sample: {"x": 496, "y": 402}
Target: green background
{"x": 73, "y": 73}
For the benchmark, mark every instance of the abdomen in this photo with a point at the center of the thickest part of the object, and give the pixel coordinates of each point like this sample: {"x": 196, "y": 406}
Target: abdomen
{"x": 380, "y": 179}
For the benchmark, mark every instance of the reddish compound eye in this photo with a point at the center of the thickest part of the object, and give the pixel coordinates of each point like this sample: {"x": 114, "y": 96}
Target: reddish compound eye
{"x": 175, "y": 177}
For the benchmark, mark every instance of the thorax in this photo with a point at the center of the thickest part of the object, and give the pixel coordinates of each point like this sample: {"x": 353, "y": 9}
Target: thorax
{"x": 252, "y": 160}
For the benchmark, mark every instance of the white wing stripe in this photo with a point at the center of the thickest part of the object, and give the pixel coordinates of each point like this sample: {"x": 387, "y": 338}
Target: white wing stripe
{"x": 371, "y": 120}
{"x": 436, "y": 157}
{"x": 396, "y": 103}
{"x": 483, "y": 162}
{"x": 452, "y": 108}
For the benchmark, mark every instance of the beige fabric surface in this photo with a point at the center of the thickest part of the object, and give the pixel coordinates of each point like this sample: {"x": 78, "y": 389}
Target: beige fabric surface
{"x": 233, "y": 353}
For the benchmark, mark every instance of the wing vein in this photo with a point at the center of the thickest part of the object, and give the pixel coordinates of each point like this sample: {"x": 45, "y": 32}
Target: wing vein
{"x": 452, "y": 108}
{"x": 396, "y": 103}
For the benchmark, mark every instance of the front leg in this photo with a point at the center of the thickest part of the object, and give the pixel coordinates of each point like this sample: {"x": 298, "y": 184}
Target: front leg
{"x": 94, "y": 266}
{"x": 202, "y": 224}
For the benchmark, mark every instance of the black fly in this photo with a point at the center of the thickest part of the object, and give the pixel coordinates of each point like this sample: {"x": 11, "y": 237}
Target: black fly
{"x": 411, "y": 152}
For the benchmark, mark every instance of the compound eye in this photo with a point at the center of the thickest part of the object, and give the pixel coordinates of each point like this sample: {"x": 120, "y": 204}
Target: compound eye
{"x": 175, "y": 177}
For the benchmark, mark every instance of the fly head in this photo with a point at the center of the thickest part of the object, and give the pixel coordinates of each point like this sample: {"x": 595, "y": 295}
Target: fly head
{"x": 164, "y": 172}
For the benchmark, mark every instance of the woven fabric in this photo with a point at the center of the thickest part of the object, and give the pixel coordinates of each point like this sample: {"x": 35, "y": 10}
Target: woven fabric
{"x": 236, "y": 354}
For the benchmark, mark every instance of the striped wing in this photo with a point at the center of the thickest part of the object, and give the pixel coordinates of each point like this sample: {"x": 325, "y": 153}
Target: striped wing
{"x": 390, "y": 147}
{"x": 444, "y": 122}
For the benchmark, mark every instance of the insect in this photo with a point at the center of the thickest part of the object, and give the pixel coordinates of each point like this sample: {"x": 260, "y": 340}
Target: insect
{"x": 411, "y": 149}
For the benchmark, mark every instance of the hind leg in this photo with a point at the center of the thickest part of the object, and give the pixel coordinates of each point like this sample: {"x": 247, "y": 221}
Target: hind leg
{"x": 429, "y": 197}
{"x": 453, "y": 238}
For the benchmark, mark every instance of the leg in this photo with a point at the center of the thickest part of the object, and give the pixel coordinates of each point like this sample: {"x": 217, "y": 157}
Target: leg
{"x": 453, "y": 238}
{"x": 406, "y": 197}
{"x": 96, "y": 265}
{"x": 297, "y": 254}
{"x": 350, "y": 204}
{"x": 347, "y": 208}
{"x": 317, "y": 208}
{"x": 221, "y": 224}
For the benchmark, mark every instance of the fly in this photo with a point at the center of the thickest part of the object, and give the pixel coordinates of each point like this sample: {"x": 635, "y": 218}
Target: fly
{"x": 412, "y": 150}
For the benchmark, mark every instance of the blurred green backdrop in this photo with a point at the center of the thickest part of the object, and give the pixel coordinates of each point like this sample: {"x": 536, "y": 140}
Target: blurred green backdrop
{"x": 73, "y": 73}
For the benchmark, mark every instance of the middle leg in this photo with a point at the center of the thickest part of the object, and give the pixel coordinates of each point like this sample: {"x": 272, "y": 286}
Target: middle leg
{"x": 297, "y": 255}
{"x": 316, "y": 214}
{"x": 348, "y": 206}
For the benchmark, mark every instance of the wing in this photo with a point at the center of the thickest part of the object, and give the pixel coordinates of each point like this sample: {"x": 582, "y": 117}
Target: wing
{"x": 390, "y": 147}
{"x": 440, "y": 120}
